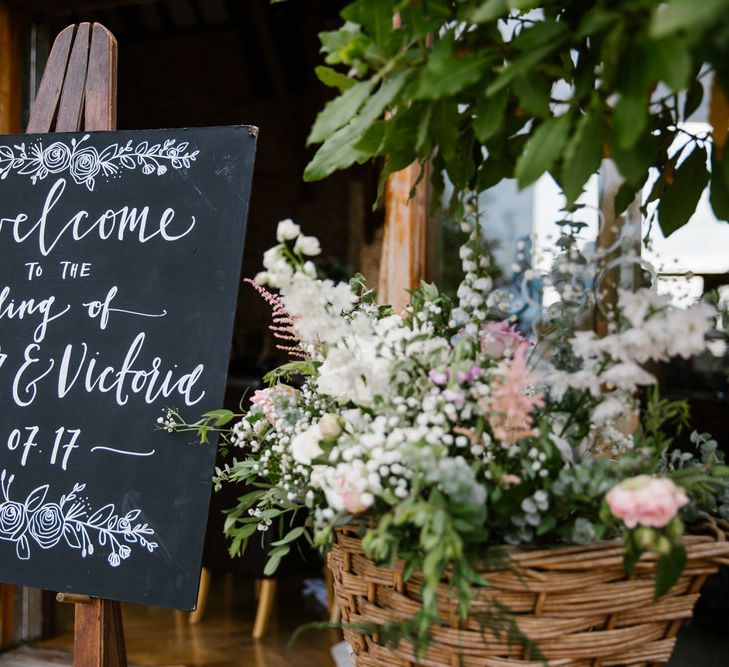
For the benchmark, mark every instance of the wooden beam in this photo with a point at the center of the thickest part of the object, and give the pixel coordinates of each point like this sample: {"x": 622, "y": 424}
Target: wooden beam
{"x": 7, "y": 615}
{"x": 10, "y": 71}
{"x": 404, "y": 258}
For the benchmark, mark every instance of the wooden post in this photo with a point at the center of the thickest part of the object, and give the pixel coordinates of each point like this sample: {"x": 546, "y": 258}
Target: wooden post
{"x": 611, "y": 229}
{"x": 402, "y": 265}
{"x": 78, "y": 90}
{"x": 10, "y": 71}
{"x": 404, "y": 254}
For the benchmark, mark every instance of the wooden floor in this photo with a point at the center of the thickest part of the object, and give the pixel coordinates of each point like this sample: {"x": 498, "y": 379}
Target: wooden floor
{"x": 164, "y": 638}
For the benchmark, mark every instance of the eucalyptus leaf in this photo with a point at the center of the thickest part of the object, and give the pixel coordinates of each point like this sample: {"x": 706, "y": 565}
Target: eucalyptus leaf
{"x": 274, "y": 560}
{"x": 293, "y": 534}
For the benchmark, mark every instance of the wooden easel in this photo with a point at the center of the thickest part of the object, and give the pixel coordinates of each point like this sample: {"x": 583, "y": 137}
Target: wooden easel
{"x": 78, "y": 91}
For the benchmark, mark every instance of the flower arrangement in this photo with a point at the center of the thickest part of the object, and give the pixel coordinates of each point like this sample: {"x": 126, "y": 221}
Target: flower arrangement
{"x": 444, "y": 430}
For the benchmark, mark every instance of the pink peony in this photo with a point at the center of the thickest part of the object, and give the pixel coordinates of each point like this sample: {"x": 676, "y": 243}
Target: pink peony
{"x": 264, "y": 400}
{"x": 499, "y": 339}
{"x": 354, "y": 501}
{"x": 646, "y": 501}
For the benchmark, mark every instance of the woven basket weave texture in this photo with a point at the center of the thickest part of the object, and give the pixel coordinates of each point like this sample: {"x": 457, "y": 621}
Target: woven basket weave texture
{"x": 575, "y": 602}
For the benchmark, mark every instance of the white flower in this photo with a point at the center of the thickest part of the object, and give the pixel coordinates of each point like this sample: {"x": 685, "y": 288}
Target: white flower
{"x": 635, "y": 306}
{"x": 627, "y": 376}
{"x": 307, "y": 245}
{"x": 688, "y": 329}
{"x": 329, "y": 426}
{"x": 262, "y": 277}
{"x": 632, "y": 345}
{"x": 607, "y": 411}
{"x": 585, "y": 344}
{"x": 355, "y": 372}
{"x": 287, "y": 230}
{"x": 305, "y": 445}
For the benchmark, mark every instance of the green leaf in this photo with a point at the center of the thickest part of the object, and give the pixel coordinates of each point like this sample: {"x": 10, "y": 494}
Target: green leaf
{"x": 421, "y": 18}
{"x": 535, "y": 43}
{"x": 631, "y": 111}
{"x": 490, "y": 11}
{"x": 220, "y": 417}
{"x": 274, "y": 560}
{"x": 339, "y": 111}
{"x": 444, "y": 122}
{"x": 634, "y": 162}
{"x": 489, "y": 115}
{"x": 669, "y": 569}
{"x": 493, "y": 171}
{"x": 524, "y": 5}
{"x": 376, "y": 17}
{"x": 533, "y": 91}
{"x": 330, "y": 77}
{"x": 344, "y": 46}
{"x": 372, "y": 141}
{"x": 719, "y": 193}
{"x": 681, "y": 197}
{"x": 671, "y": 62}
{"x": 294, "y": 534}
{"x": 583, "y": 153}
{"x": 339, "y": 151}
{"x": 624, "y": 197}
{"x": 547, "y": 523}
{"x": 446, "y": 74}
{"x": 542, "y": 149}
{"x": 685, "y": 15}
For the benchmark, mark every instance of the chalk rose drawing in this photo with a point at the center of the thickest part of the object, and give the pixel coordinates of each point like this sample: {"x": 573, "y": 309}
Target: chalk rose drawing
{"x": 48, "y": 524}
{"x": 84, "y": 163}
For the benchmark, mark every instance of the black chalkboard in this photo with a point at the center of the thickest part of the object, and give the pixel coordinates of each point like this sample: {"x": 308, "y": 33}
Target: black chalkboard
{"x": 121, "y": 259}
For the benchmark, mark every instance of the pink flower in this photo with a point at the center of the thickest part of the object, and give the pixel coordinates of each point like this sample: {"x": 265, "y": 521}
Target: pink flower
{"x": 511, "y": 402}
{"x": 499, "y": 339}
{"x": 438, "y": 377}
{"x": 471, "y": 374}
{"x": 646, "y": 501}
{"x": 454, "y": 397}
{"x": 354, "y": 502}
{"x": 263, "y": 399}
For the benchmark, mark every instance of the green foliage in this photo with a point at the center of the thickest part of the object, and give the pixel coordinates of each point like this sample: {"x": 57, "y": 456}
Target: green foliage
{"x": 490, "y": 91}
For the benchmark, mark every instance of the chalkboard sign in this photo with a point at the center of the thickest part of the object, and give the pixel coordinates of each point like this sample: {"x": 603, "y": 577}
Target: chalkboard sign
{"x": 120, "y": 265}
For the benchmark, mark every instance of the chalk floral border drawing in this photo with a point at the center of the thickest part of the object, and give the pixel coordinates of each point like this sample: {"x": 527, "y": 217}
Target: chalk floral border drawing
{"x": 84, "y": 163}
{"x": 47, "y": 524}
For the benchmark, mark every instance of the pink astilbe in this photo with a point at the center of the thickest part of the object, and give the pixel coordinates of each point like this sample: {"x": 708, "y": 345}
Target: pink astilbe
{"x": 283, "y": 323}
{"x": 510, "y": 404}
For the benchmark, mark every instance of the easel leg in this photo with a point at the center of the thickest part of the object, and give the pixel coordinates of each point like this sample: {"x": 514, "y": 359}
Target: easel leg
{"x": 98, "y": 632}
{"x": 266, "y": 596}
{"x": 202, "y": 597}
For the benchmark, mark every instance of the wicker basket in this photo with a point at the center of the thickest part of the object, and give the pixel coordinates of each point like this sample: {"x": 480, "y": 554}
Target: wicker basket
{"x": 575, "y": 602}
